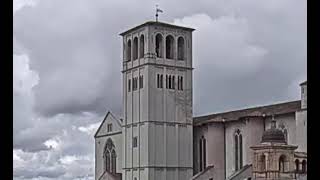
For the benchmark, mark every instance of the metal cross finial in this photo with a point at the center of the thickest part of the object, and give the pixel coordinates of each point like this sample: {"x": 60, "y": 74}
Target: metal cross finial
{"x": 157, "y": 10}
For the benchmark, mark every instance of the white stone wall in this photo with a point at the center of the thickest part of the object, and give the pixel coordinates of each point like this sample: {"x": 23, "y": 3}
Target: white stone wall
{"x": 198, "y": 132}
{"x": 251, "y": 130}
{"x": 301, "y": 127}
{"x": 161, "y": 119}
{"x": 304, "y": 96}
{"x": 99, "y": 148}
{"x": 302, "y": 122}
{"x": 215, "y": 149}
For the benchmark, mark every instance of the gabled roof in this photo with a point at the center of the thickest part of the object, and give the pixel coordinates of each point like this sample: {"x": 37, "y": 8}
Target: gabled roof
{"x": 156, "y": 23}
{"x": 269, "y": 110}
{"x": 105, "y": 118}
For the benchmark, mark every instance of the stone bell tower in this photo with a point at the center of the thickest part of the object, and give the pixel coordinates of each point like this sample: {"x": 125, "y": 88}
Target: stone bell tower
{"x": 157, "y": 102}
{"x": 273, "y": 158}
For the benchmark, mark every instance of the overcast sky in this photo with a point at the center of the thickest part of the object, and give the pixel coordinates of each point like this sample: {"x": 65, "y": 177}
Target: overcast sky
{"x": 67, "y": 62}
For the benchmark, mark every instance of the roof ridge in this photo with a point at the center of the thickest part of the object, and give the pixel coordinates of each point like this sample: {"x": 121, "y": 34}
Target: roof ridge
{"x": 155, "y": 22}
{"x": 248, "y": 108}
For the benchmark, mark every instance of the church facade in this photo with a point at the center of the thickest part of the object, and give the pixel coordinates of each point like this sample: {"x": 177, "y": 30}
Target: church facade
{"x": 159, "y": 139}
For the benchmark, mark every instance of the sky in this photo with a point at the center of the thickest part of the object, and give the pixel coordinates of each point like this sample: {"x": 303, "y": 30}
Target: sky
{"x": 67, "y": 68}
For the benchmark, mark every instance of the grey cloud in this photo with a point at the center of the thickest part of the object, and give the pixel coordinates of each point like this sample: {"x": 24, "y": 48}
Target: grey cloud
{"x": 246, "y": 53}
{"x": 32, "y": 173}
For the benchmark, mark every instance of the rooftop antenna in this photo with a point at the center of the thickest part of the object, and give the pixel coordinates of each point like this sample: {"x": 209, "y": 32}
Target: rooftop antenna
{"x": 157, "y": 10}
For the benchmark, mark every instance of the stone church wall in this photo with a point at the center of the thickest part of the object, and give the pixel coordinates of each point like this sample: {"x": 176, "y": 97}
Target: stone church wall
{"x": 99, "y": 148}
{"x": 301, "y": 125}
{"x": 215, "y": 149}
{"x": 251, "y": 130}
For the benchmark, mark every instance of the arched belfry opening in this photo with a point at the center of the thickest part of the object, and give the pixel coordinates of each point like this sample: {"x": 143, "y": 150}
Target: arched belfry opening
{"x": 159, "y": 46}
{"x": 135, "y": 48}
{"x": 169, "y": 47}
{"x": 141, "y": 52}
{"x": 128, "y": 50}
{"x": 181, "y": 49}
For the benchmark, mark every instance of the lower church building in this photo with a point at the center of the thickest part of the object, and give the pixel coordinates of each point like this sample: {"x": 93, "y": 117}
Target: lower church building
{"x": 158, "y": 138}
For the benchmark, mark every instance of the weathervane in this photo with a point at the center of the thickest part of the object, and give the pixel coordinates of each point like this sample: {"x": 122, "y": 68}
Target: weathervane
{"x": 157, "y": 10}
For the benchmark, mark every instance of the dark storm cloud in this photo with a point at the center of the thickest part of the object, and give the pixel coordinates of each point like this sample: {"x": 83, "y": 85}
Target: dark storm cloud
{"x": 75, "y": 48}
{"x": 245, "y": 53}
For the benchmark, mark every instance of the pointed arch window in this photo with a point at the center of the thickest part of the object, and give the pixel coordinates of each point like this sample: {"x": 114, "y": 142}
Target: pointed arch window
{"x": 238, "y": 150}
{"x": 202, "y": 150}
{"x": 159, "y": 46}
{"x": 110, "y": 157}
{"x": 141, "y": 52}
{"x": 113, "y": 161}
{"x": 107, "y": 161}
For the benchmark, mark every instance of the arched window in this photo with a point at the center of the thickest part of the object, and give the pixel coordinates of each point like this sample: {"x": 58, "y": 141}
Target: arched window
{"x": 129, "y": 50}
{"x": 200, "y": 155}
{"x": 181, "y": 48}
{"x": 113, "y": 161}
{"x": 202, "y": 150}
{"x": 282, "y": 159}
{"x": 110, "y": 156}
{"x": 167, "y": 81}
{"x": 297, "y": 165}
{"x": 238, "y": 150}
{"x": 180, "y": 83}
{"x": 159, "y": 46}
{"x": 173, "y": 82}
{"x": 263, "y": 162}
{"x": 169, "y": 47}
{"x": 107, "y": 161}
{"x": 141, "y": 53}
{"x": 170, "y": 85}
{"x": 304, "y": 166}
{"x": 135, "y": 48}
